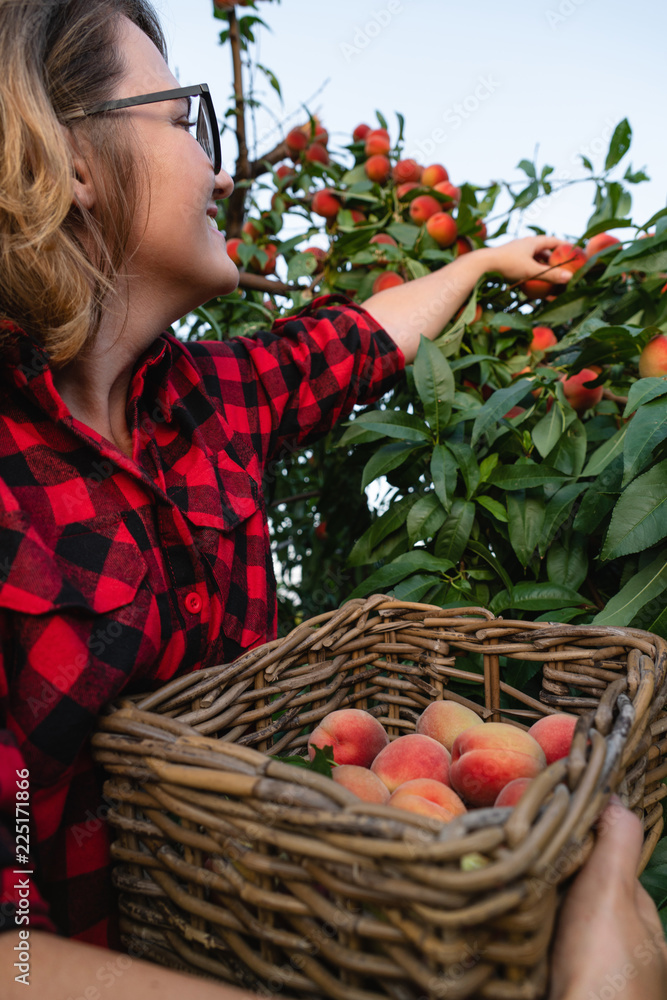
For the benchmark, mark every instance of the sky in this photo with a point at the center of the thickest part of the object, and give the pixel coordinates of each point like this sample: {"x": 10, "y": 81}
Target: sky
{"x": 481, "y": 85}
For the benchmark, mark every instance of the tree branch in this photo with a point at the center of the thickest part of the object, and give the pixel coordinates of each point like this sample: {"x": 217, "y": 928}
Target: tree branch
{"x": 259, "y": 283}
{"x": 278, "y": 153}
{"x": 236, "y": 203}
{"x": 297, "y": 496}
{"x": 608, "y": 394}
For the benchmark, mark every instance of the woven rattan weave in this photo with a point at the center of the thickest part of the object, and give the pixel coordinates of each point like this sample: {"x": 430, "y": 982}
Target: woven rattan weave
{"x": 235, "y": 865}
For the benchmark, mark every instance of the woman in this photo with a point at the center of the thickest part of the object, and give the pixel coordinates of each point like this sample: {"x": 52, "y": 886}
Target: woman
{"x": 132, "y": 525}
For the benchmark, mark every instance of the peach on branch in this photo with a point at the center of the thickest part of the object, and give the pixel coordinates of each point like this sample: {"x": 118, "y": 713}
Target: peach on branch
{"x": 321, "y": 136}
{"x": 356, "y": 736}
{"x": 445, "y": 720}
{"x": 463, "y": 246}
{"x": 360, "y": 132}
{"x": 433, "y": 175}
{"x": 362, "y": 782}
{"x": 317, "y": 154}
{"x": 486, "y": 758}
{"x": 434, "y": 791}
{"x": 383, "y": 238}
{"x": 543, "y": 337}
{"x": 535, "y": 288}
{"x": 378, "y": 168}
{"x": 653, "y": 358}
{"x": 411, "y": 756}
{"x": 513, "y": 791}
{"x": 296, "y": 141}
{"x": 402, "y": 189}
{"x": 577, "y": 394}
{"x": 554, "y": 734}
{"x": 448, "y": 189}
{"x": 442, "y": 228}
{"x": 377, "y": 141}
{"x": 423, "y": 207}
{"x": 480, "y": 232}
{"x": 600, "y": 242}
{"x": 233, "y": 250}
{"x": 407, "y": 171}
{"x": 251, "y": 230}
{"x": 357, "y": 216}
{"x": 568, "y": 257}
{"x": 285, "y": 171}
{"x": 326, "y": 203}
{"x": 388, "y": 279}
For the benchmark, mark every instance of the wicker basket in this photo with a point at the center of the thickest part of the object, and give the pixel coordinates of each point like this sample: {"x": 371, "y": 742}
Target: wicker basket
{"x": 236, "y": 866}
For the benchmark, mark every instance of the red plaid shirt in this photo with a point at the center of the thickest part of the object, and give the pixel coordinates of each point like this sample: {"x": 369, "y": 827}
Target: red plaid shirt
{"x": 118, "y": 574}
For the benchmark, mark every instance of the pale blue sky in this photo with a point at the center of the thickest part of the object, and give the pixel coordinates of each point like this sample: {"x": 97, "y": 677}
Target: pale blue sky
{"x": 554, "y": 73}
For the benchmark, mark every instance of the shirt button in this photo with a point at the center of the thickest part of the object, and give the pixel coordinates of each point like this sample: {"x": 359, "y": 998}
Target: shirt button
{"x": 193, "y": 603}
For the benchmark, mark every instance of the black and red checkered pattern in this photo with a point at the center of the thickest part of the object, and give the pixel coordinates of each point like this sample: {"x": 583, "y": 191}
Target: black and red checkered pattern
{"x": 118, "y": 574}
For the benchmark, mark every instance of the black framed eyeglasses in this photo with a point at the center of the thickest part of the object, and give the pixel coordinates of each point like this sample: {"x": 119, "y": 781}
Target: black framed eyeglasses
{"x": 207, "y": 133}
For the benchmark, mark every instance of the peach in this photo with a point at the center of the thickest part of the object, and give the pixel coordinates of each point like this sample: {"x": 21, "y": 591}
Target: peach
{"x": 296, "y": 140}
{"x": 463, "y": 246}
{"x": 480, "y": 232}
{"x": 444, "y": 720}
{"x": 568, "y": 257}
{"x": 378, "y": 168}
{"x": 444, "y": 187}
{"x": 317, "y": 154}
{"x": 424, "y": 807}
{"x": 433, "y": 175}
{"x": 233, "y": 251}
{"x": 486, "y": 758}
{"x": 535, "y": 288}
{"x": 578, "y": 396}
{"x": 362, "y": 782}
{"x": 411, "y": 756}
{"x": 543, "y": 337}
{"x": 356, "y": 736}
{"x": 402, "y": 189}
{"x": 600, "y": 242}
{"x": 388, "y": 279}
{"x": 512, "y": 792}
{"x": 383, "y": 238}
{"x": 442, "y": 228}
{"x": 423, "y": 207}
{"x": 318, "y": 253}
{"x": 407, "y": 171}
{"x": 326, "y": 203}
{"x": 377, "y": 141}
{"x": 653, "y": 359}
{"x": 360, "y": 132}
{"x": 434, "y": 791}
{"x": 554, "y": 734}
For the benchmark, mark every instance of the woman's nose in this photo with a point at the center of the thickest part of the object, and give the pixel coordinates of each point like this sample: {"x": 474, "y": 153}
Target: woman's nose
{"x": 224, "y": 185}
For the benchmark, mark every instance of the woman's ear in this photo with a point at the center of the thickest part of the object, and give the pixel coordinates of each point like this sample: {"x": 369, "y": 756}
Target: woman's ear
{"x": 83, "y": 189}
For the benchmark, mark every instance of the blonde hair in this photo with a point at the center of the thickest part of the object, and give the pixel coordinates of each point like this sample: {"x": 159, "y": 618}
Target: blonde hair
{"x": 57, "y": 57}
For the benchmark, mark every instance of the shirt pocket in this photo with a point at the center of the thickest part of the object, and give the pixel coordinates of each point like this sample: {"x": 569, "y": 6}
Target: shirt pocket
{"x": 95, "y": 566}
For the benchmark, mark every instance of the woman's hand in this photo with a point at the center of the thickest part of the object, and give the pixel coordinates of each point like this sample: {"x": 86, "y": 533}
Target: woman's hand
{"x": 610, "y": 940}
{"x": 516, "y": 261}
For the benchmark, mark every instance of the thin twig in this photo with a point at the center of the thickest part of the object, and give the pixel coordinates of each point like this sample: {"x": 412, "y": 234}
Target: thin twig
{"x": 297, "y": 496}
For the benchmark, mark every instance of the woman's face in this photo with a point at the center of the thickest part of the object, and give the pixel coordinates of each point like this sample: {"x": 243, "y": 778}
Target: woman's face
{"x": 175, "y": 252}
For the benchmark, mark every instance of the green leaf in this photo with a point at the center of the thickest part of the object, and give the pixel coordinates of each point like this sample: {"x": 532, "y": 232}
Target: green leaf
{"x": 322, "y": 761}
{"x": 494, "y": 507}
{"x": 641, "y": 588}
{"x": 415, "y": 587}
{"x": 619, "y": 145}
{"x": 434, "y": 382}
{"x": 399, "y": 568}
{"x": 495, "y": 408}
{"x": 487, "y": 465}
{"x": 425, "y": 518}
{"x": 639, "y": 519}
{"x": 602, "y": 227}
{"x": 659, "y": 626}
{"x": 646, "y": 430}
{"x": 467, "y": 462}
{"x": 527, "y": 196}
{"x": 444, "y": 473}
{"x": 481, "y": 550}
{"x": 643, "y": 391}
{"x": 389, "y": 522}
{"x": 357, "y": 434}
{"x": 526, "y": 517}
{"x": 559, "y": 509}
{"x": 522, "y": 477}
{"x": 383, "y": 461}
{"x": 455, "y": 532}
{"x": 271, "y": 77}
{"x": 567, "y": 564}
{"x": 536, "y": 597}
{"x": 606, "y": 453}
{"x": 547, "y": 431}
{"x": 395, "y": 423}
{"x": 565, "y": 310}
{"x": 527, "y": 167}
{"x": 403, "y": 233}
{"x": 416, "y": 269}
{"x": 569, "y": 454}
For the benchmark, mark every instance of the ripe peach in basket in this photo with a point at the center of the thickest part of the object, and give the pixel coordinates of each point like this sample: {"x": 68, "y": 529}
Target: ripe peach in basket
{"x": 486, "y": 758}
{"x": 444, "y": 720}
{"x": 554, "y": 734}
{"x": 362, "y": 782}
{"x": 411, "y": 756}
{"x": 434, "y": 791}
{"x": 356, "y": 736}
{"x": 512, "y": 792}
{"x": 424, "y": 807}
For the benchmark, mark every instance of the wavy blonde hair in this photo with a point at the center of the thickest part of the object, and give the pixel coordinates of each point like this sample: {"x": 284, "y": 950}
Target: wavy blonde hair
{"x": 57, "y": 57}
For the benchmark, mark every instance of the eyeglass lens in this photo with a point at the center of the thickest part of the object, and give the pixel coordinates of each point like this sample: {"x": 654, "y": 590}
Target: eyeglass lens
{"x": 205, "y": 130}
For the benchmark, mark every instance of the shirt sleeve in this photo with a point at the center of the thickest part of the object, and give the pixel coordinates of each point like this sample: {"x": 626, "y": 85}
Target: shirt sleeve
{"x": 297, "y": 380}
{"x": 19, "y": 894}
